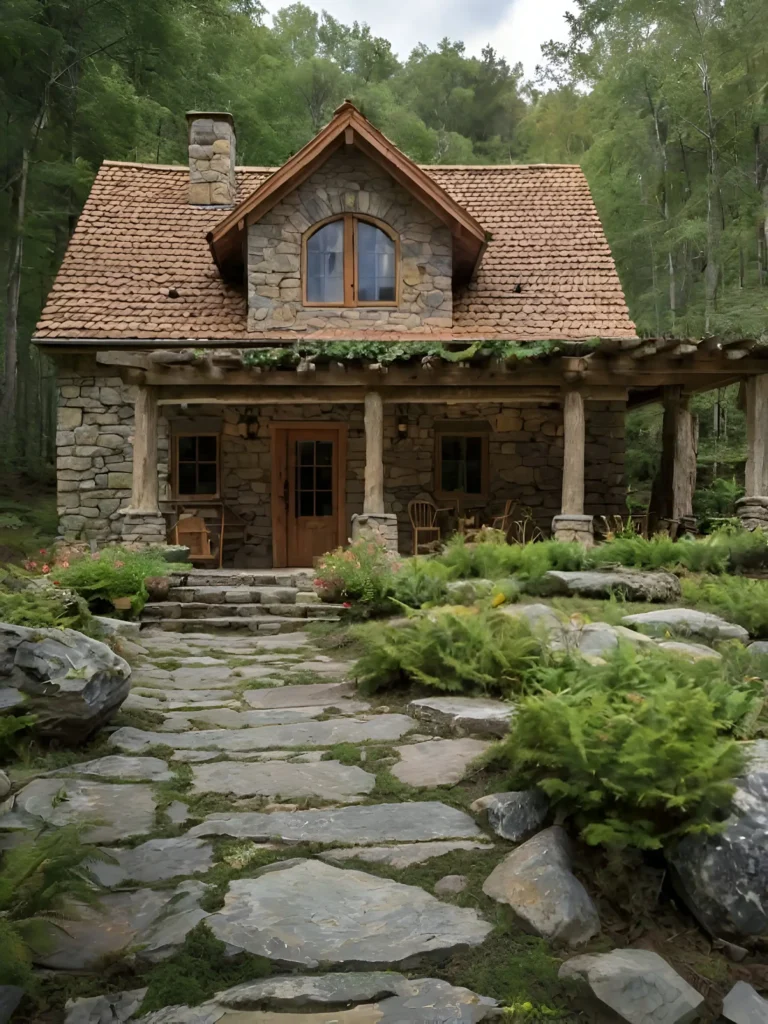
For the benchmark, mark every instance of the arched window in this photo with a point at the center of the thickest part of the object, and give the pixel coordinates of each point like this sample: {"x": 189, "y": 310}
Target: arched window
{"x": 350, "y": 261}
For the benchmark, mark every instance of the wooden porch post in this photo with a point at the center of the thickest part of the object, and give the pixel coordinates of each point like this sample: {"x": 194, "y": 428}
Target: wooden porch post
{"x": 574, "y": 430}
{"x": 673, "y": 498}
{"x": 756, "y": 477}
{"x": 144, "y": 493}
{"x": 374, "y": 454}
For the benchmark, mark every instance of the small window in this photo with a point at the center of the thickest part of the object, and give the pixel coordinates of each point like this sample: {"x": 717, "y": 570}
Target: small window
{"x": 462, "y": 465}
{"x": 350, "y": 261}
{"x": 197, "y": 466}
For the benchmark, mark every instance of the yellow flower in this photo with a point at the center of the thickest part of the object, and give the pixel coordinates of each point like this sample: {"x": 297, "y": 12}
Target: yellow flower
{"x": 498, "y": 599}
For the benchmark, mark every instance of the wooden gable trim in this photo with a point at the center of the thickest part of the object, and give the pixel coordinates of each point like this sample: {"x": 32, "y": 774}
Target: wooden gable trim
{"x": 225, "y": 240}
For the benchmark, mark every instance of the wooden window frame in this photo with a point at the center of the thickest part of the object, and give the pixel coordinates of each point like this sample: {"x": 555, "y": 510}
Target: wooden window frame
{"x": 462, "y": 496}
{"x": 177, "y": 496}
{"x": 350, "y": 221}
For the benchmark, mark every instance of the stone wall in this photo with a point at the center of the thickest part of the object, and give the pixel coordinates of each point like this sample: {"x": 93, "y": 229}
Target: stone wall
{"x": 95, "y": 459}
{"x": 349, "y": 183}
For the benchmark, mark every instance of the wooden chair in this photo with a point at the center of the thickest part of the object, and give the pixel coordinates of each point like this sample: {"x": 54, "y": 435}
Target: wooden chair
{"x": 192, "y": 532}
{"x": 423, "y": 514}
{"x": 505, "y": 520}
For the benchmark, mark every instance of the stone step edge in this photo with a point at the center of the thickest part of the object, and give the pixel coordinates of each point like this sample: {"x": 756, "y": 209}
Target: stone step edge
{"x": 267, "y": 624}
{"x": 167, "y": 610}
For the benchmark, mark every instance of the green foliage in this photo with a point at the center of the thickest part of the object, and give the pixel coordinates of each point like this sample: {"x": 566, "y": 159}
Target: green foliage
{"x": 44, "y": 608}
{"x": 717, "y": 502}
{"x": 420, "y": 581}
{"x": 737, "y": 598}
{"x": 361, "y": 572}
{"x": 111, "y": 573}
{"x": 198, "y": 969}
{"x": 41, "y": 881}
{"x": 10, "y": 727}
{"x": 490, "y": 557}
{"x": 634, "y": 753}
{"x": 453, "y": 650}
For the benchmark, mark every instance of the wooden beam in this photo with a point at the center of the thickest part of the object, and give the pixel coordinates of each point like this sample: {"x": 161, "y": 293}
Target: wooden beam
{"x": 374, "y": 454}
{"x": 574, "y": 436}
{"x": 144, "y": 492}
{"x": 310, "y": 395}
{"x": 756, "y": 476}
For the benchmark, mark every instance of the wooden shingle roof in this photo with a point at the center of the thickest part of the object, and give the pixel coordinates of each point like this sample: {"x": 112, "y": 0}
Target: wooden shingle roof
{"x": 139, "y": 267}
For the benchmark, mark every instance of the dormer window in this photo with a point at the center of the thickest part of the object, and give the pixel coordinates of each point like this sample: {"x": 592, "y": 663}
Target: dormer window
{"x": 350, "y": 261}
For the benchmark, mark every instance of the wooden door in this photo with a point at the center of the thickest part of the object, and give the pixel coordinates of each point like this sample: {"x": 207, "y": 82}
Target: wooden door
{"x": 308, "y": 492}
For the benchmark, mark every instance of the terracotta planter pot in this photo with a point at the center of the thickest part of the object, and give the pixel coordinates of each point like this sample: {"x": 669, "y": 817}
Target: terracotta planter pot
{"x": 330, "y": 595}
{"x": 122, "y": 604}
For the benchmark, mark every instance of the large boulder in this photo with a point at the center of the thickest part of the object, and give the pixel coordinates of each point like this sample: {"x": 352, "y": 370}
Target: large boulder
{"x": 743, "y": 1005}
{"x": 686, "y": 622}
{"x": 637, "y": 985}
{"x": 70, "y": 683}
{"x": 724, "y": 879}
{"x": 514, "y": 816}
{"x": 536, "y": 881}
{"x": 627, "y": 583}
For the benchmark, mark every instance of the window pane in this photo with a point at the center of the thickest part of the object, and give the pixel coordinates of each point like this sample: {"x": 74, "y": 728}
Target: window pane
{"x": 187, "y": 449}
{"x": 187, "y": 478}
{"x": 325, "y": 264}
{"x": 305, "y": 451}
{"x": 461, "y": 464}
{"x": 306, "y": 503}
{"x": 375, "y": 264}
{"x": 206, "y": 478}
{"x": 206, "y": 449}
{"x": 324, "y": 503}
{"x": 474, "y": 465}
{"x": 324, "y": 453}
{"x": 324, "y": 479}
{"x": 306, "y": 479}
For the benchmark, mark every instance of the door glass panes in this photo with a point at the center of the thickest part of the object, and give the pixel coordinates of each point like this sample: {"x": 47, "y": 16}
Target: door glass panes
{"x": 197, "y": 464}
{"x": 314, "y": 478}
{"x": 325, "y": 264}
{"x": 375, "y": 264}
{"x": 461, "y": 465}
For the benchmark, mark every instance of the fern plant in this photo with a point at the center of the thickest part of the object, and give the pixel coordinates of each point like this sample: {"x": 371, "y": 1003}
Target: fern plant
{"x": 42, "y": 881}
{"x": 452, "y": 650}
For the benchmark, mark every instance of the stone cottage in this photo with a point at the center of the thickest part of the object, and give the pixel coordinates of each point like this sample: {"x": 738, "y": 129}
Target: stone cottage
{"x": 291, "y": 353}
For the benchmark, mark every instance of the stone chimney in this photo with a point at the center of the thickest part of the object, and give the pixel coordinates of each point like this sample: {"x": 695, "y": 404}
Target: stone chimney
{"x": 211, "y": 159}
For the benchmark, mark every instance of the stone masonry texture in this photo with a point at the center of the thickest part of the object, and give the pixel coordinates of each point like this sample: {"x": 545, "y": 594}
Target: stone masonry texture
{"x": 95, "y": 458}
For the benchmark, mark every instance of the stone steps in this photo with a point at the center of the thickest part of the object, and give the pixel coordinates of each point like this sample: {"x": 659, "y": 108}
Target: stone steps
{"x": 265, "y": 624}
{"x": 202, "y": 610}
{"x": 301, "y": 579}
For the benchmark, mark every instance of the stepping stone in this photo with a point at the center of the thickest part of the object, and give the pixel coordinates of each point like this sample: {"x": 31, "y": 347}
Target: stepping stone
{"x": 115, "y": 1008}
{"x": 310, "y": 913}
{"x": 323, "y": 667}
{"x": 145, "y": 703}
{"x": 382, "y": 728}
{"x": 119, "y": 811}
{"x": 325, "y": 694}
{"x": 693, "y": 652}
{"x": 155, "y": 861}
{"x": 177, "y": 812}
{"x": 465, "y": 714}
{"x": 661, "y": 587}
{"x": 117, "y": 766}
{"x": 195, "y": 756}
{"x": 637, "y": 985}
{"x": 328, "y": 780}
{"x": 536, "y": 881}
{"x": 184, "y": 698}
{"x": 201, "y": 678}
{"x": 225, "y": 718}
{"x": 404, "y": 855}
{"x": 437, "y": 762}
{"x": 374, "y": 823}
{"x": 743, "y": 1005}
{"x": 686, "y": 622}
{"x": 152, "y": 922}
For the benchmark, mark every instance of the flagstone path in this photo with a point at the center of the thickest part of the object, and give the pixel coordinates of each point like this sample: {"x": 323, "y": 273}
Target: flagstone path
{"x": 233, "y": 739}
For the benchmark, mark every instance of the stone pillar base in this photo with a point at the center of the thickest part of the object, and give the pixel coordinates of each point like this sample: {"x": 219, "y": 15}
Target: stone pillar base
{"x": 570, "y": 528}
{"x": 144, "y": 528}
{"x": 753, "y": 512}
{"x": 378, "y": 526}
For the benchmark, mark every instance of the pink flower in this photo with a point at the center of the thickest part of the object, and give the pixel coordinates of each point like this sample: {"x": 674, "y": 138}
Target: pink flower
{"x": 43, "y": 551}
{"x": 119, "y": 565}
{"x": 64, "y": 565}
{"x": 46, "y": 568}
{"x": 346, "y": 605}
{"x": 30, "y": 565}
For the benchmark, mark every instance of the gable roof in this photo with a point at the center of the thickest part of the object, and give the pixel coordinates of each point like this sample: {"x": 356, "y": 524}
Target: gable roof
{"x": 348, "y": 127}
{"x": 138, "y": 242}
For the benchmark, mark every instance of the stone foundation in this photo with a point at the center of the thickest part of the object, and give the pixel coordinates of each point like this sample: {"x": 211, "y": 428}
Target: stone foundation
{"x": 753, "y": 512}
{"x": 381, "y": 527}
{"x": 572, "y": 528}
{"x": 144, "y": 528}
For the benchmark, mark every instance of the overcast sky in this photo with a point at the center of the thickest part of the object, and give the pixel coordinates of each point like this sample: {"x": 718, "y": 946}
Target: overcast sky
{"x": 516, "y": 28}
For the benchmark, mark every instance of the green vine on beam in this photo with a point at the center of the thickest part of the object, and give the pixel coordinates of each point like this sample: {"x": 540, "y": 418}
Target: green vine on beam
{"x": 384, "y": 352}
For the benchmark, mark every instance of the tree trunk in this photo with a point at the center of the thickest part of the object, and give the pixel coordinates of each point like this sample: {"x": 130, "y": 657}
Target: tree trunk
{"x": 13, "y": 292}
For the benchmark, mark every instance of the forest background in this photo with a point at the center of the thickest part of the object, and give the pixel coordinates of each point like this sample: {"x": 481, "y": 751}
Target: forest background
{"x": 664, "y": 103}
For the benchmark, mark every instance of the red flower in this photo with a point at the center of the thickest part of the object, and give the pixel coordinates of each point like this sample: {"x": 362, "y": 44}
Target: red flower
{"x": 57, "y": 583}
{"x": 43, "y": 551}
{"x": 346, "y": 605}
{"x": 46, "y": 568}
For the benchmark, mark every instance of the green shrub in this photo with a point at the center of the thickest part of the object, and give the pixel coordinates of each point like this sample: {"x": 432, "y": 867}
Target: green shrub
{"x": 364, "y": 571}
{"x": 634, "y": 753}
{"x": 44, "y": 608}
{"x": 10, "y": 725}
{"x": 112, "y": 573}
{"x": 490, "y": 557}
{"x": 737, "y": 598}
{"x": 454, "y": 650}
{"x": 421, "y": 581}
{"x": 41, "y": 881}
